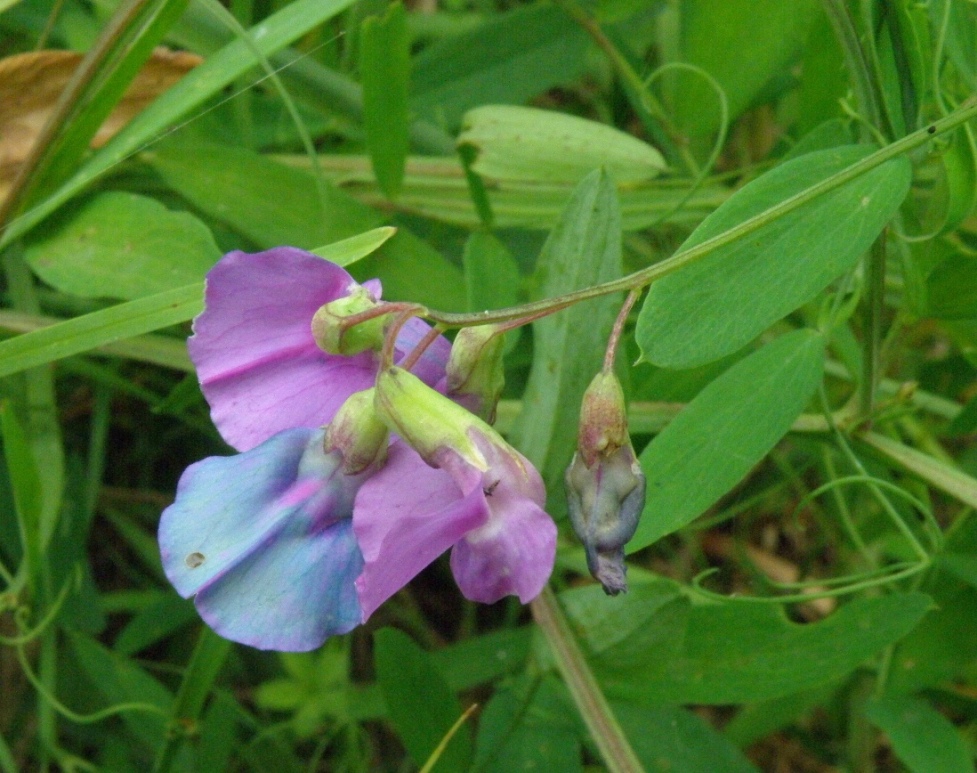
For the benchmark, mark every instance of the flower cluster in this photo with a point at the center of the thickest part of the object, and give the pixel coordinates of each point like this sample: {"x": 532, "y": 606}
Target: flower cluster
{"x": 321, "y": 517}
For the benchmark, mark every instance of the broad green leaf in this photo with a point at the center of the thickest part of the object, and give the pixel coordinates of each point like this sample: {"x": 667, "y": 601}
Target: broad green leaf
{"x": 712, "y": 307}
{"x": 756, "y": 720}
{"x": 270, "y": 203}
{"x": 99, "y": 328}
{"x": 385, "y": 73}
{"x": 209, "y": 79}
{"x": 491, "y": 274}
{"x": 419, "y": 702}
{"x": 288, "y": 206}
{"x": 668, "y": 739}
{"x": 743, "y": 44}
{"x": 119, "y": 681}
{"x": 154, "y": 623}
{"x": 480, "y": 659}
{"x": 925, "y": 740}
{"x": 529, "y": 725}
{"x": 525, "y": 143}
{"x": 506, "y": 60}
{"x": 946, "y": 642}
{"x": 583, "y": 249}
{"x": 951, "y": 289}
{"x": 120, "y": 245}
{"x": 730, "y": 652}
{"x": 726, "y": 430}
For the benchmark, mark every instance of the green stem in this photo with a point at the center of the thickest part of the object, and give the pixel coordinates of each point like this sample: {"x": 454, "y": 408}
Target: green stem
{"x": 205, "y": 664}
{"x": 596, "y": 712}
{"x": 872, "y": 336}
{"x": 653, "y": 273}
{"x": 866, "y": 95}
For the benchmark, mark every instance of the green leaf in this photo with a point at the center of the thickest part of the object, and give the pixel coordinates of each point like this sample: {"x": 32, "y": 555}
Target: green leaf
{"x": 529, "y": 726}
{"x": 107, "y": 326}
{"x": 119, "y": 680}
{"x": 731, "y": 652}
{"x": 951, "y": 289}
{"x": 291, "y": 207}
{"x": 925, "y": 740}
{"x": 712, "y": 307}
{"x": 583, "y": 249}
{"x": 347, "y": 251}
{"x": 270, "y": 203}
{"x": 154, "y": 623}
{"x": 25, "y": 484}
{"x": 120, "y": 245}
{"x": 761, "y": 37}
{"x": 491, "y": 275}
{"x": 525, "y": 143}
{"x": 385, "y": 73}
{"x": 419, "y": 702}
{"x": 507, "y": 60}
{"x": 667, "y": 739}
{"x": 727, "y": 429}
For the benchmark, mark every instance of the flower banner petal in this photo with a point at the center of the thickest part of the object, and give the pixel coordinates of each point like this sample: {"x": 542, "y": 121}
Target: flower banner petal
{"x": 259, "y": 366}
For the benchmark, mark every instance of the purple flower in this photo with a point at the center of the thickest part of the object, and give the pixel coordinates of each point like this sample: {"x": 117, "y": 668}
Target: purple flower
{"x": 258, "y": 364}
{"x": 278, "y": 546}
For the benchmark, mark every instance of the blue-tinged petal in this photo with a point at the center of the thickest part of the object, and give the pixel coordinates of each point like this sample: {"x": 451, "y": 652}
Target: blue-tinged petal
{"x": 264, "y": 541}
{"x": 223, "y": 509}
{"x": 292, "y": 594}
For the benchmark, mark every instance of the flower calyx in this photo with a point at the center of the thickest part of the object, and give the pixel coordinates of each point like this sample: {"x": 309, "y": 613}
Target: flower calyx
{"x": 333, "y": 332}
{"x": 426, "y": 420}
{"x": 475, "y": 369}
{"x": 357, "y": 434}
{"x": 604, "y": 482}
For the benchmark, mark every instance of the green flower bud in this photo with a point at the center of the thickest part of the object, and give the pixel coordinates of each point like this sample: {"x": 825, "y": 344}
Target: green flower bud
{"x": 358, "y": 434}
{"x": 333, "y": 336}
{"x": 475, "y": 369}
{"x": 603, "y": 418}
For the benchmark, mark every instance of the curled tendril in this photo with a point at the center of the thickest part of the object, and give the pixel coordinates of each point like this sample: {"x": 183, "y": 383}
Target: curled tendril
{"x": 857, "y": 582}
{"x": 720, "y": 137}
{"x": 22, "y": 613}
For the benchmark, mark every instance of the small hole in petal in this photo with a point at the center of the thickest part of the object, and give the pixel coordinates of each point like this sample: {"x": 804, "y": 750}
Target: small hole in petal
{"x": 488, "y": 491}
{"x": 195, "y": 559}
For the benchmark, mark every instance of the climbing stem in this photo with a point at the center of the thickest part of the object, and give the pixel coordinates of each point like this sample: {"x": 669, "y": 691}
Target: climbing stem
{"x": 653, "y": 273}
{"x": 596, "y": 712}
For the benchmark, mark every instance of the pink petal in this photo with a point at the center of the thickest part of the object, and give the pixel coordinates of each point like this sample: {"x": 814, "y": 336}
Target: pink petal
{"x": 404, "y": 517}
{"x": 258, "y": 364}
{"x": 512, "y": 554}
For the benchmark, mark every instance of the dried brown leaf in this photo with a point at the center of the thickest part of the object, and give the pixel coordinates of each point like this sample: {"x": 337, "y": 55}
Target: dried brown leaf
{"x": 31, "y": 83}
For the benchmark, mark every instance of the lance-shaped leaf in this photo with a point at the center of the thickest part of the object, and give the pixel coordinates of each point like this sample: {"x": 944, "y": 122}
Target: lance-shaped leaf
{"x": 385, "y": 71}
{"x": 729, "y": 427}
{"x": 583, "y": 250}
{"x": 715, "y": 305}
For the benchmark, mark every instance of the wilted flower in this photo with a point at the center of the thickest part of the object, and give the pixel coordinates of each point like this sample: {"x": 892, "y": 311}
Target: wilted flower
{"x": 605, "y": 484}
